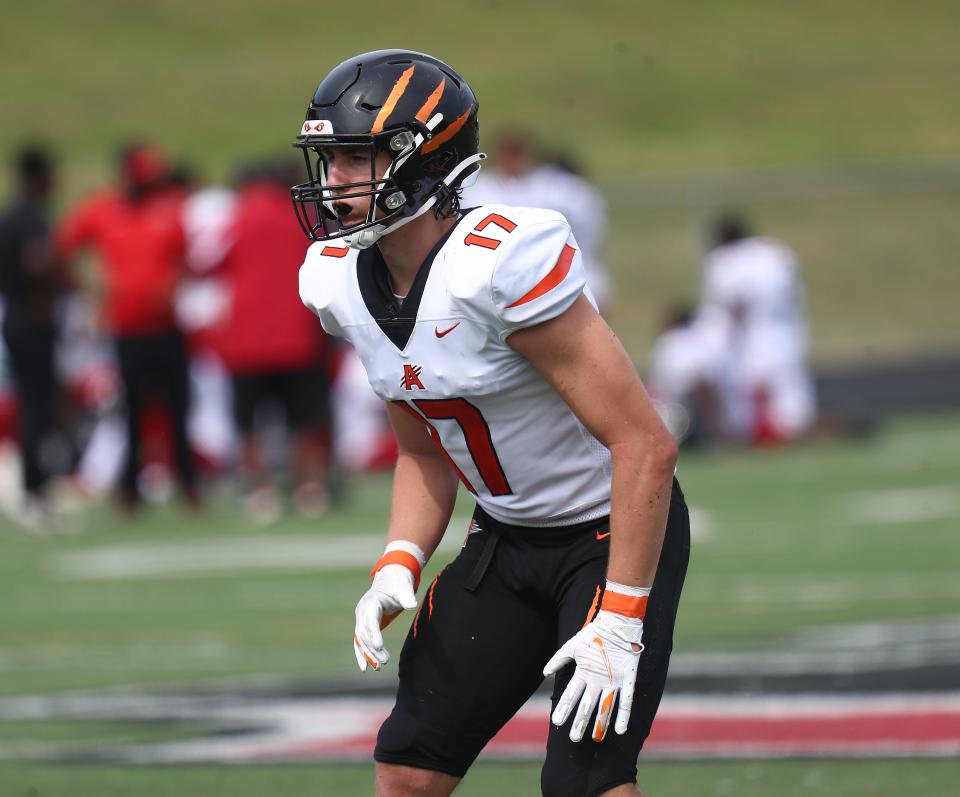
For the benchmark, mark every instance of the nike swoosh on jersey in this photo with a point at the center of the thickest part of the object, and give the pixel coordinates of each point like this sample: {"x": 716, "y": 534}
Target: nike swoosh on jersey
{"x": 440, "y": 333}
{"x": 603, "y": 536}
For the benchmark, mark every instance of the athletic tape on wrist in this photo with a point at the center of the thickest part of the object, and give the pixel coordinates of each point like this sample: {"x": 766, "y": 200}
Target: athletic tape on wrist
{"x": 625, "y": 601}
{"x": 408, "y": 560}
{"x": 409, "y": 547}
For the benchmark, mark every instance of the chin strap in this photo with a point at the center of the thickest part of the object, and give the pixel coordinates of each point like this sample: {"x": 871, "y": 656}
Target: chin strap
{"x": 363, "y": 239}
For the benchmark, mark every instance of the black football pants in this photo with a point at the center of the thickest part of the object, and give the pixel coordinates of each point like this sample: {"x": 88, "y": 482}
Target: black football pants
{"x": 30, "y": 346}
{"x": 477, "y": 647}
{"x": 155, "y": 366}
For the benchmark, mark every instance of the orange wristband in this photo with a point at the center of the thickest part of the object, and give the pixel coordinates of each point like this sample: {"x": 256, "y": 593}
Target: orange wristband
{"x": 408, "y": 560}
{"x": 625, "y": 605}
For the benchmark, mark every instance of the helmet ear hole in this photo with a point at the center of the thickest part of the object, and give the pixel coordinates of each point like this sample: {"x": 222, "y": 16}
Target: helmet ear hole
{"x": 441, "y": 164}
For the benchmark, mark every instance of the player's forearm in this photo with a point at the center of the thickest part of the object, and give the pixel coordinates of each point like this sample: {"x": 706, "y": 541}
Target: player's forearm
{"x": 640, "y": 502}
{"x": 424, "y": 493}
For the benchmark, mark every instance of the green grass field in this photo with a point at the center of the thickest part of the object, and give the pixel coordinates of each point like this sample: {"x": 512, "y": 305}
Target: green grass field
{"x": 788, "y": 541}
{"x": 858, "y": 92}
{"x": 828, "y": 533}
{"x": 833, "y": 125}
{"x": 695, "y": 779}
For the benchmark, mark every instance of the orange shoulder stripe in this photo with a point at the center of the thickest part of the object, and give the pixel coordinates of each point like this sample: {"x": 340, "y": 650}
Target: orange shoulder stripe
{"x": 395, "y": 94}
{"x": 549, "y": 282}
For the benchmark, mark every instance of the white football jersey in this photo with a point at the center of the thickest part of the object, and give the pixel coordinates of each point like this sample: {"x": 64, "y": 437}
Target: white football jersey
{"x": 442, "y": 355}
{"x": 550, "y": 187}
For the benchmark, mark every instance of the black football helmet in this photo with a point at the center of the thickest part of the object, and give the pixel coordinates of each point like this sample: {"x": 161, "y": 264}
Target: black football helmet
{"x": 409, "y": 105}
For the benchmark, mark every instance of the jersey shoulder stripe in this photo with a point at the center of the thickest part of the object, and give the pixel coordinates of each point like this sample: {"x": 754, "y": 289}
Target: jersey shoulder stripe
{"x": 515, "y": 266}
{"x": 552, "y": 280}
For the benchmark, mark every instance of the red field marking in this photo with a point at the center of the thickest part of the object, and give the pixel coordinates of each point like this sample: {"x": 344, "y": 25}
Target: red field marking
{"x": 737, "y": 728}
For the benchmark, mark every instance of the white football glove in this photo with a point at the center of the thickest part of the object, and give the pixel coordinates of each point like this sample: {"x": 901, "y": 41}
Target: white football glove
{"x": 606, "y": 652}
{"x": 393, "y": 590}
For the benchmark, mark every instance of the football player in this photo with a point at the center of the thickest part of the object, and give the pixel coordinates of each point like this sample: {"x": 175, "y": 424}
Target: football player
{"x": 476, "y": 328}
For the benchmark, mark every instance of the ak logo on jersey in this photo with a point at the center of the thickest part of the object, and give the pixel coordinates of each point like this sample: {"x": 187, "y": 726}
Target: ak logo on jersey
{"x": 411, "y": 377}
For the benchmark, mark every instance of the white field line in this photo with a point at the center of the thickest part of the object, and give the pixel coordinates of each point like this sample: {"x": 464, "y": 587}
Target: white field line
{"x": 881, "y": 634}
{"x": 179, "y": 558}
{"x": 848, "y": 648}
{"x": 902, "y": 505}
{"x": 168, "y": 655}
{"x": 320, "y": 553}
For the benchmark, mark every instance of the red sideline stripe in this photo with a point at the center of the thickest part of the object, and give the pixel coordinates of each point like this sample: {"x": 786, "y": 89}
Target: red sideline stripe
{"x": 802, "y": 732}
{"x": 691, "y": 735}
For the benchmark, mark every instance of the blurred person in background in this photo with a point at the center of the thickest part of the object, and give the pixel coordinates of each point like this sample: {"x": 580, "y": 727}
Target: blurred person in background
{"x": 136, "y": 230}
{"x": 31, "y": 281}
{"x": 274, "y": 349}
{"x": 686, "y": 379}
{"x": 752, "y": 302}
{"x": 518, "y": 175}
{"x": 362, "y": 436}
{"x": 201, "y": 305}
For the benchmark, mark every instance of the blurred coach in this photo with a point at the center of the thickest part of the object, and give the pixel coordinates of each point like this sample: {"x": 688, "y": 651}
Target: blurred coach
{"x": 30, "y": 283}
{"x": 137, "y": 233}
{"x": 271, "y": 344}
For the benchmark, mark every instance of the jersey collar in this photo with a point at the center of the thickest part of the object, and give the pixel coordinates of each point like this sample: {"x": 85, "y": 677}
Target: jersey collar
{"x": 395, "y": 318}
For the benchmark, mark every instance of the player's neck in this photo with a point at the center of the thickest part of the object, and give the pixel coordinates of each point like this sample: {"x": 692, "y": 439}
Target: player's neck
{"x": 405, "y": 249}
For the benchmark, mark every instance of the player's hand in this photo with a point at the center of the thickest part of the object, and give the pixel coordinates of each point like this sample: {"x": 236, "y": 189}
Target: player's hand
{"x": 606, "y": 652}
{"x": 395, "y": 580}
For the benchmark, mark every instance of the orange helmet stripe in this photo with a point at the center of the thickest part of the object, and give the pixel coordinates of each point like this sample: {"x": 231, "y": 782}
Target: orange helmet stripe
{"x": 423, "y": 115}
{"x": 448, "y": 133}
{"x": 395, "y": 94}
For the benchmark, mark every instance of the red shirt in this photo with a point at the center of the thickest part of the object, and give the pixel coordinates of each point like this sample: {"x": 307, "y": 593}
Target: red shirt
{"x": 267, "y": 327}
{"x": 141, "y": 248}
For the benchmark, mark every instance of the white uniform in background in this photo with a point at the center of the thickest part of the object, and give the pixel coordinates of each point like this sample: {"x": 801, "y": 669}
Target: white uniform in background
{"x": 556, "y": 189}
{"x": 207, "y": 216}
{"x": 359, "y": 420}
{"x": 202, "y": 302}
{"x": 444, "y": 358}
{"x": 753, "y": 297}
{"x": 687, "y": 362}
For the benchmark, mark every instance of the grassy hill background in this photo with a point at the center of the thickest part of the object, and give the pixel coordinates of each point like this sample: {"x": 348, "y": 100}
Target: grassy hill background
{"x": 834, "y": 125}
{"x": 843, "y": 116}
